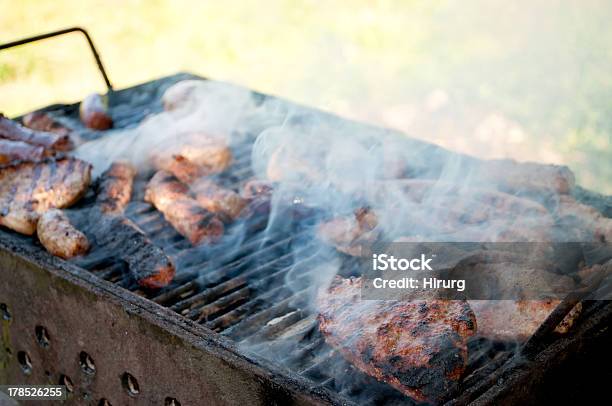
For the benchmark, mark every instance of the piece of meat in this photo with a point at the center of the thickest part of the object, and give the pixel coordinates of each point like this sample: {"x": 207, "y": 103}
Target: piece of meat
{"x": 124, "y": 240}
{"x": 191, "y": 162}
{"x": 43, "y": 121}
{"x": 517, "y": 320}
{"x": 418, "y": 347}
{"x": 219, "y": 200}
{"x": 352, "y": 235}
{"x": 12, "y": 152}
{"x": 93, "y": 112}
{"x": 59, "y": 236}
{"x": 29, "y": 189}
{"x": 595, "y": 226}
{"x": 183, "y": 169}
{"x": 459, "y": 198}
{"x": 437, "y": 211}
{"x": 210, "y": 153}
{"x": 12, "y": 130}
{"x": 115, "y": 187}
{"x": 191, "y": 220}
{"x": 517, "y": 177}
{"x": 443, "y": 211}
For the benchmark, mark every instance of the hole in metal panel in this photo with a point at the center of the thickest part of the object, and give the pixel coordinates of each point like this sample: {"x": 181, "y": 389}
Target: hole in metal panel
{"x": 67, "y": 382}
{"x": 6, "y": 315}
{"x": 25, "y": 362}
{"x": 42, "y": 336}
{"x": 104, "y": 402}
{"x": 171, "y": 402}
{"x": 87, "y": 363}
{"x": 130, "y": 384}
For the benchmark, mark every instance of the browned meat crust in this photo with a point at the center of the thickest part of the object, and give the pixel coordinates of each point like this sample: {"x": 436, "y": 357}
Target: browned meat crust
{"x": 12, "y": 152}
{"x": 216, "y": 199}
{"x": 94, "y": 112}
{"x": 115, "y": 187}
{"x": 418, "y": 347}
{"x": 42, "y": 121}
{"x": 59, "y": 236}
{"x": 184, "y": 213}
{"x": 191, "y": 162}
{"x": 12, "y": 130}
{"x": 29, "y": 189}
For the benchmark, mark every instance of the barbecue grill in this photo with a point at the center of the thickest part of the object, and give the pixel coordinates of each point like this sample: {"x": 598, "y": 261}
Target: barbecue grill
{"x": 210, "y": 337}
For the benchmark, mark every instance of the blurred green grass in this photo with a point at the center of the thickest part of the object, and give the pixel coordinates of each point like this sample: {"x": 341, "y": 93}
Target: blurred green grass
{"x": 543, "y": 66}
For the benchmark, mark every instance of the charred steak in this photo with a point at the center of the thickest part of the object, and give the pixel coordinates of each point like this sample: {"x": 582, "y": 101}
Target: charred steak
{"x": 418, "y": 347}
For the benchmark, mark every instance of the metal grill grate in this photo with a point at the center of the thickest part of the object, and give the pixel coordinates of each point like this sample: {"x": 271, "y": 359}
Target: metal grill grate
{"x": 244, "y": 294}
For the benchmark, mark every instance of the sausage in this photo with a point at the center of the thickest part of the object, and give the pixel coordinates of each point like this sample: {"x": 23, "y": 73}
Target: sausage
{"x": 16, "y": 151}
{"x": 94, "y": 112}
{"x": 59, "y": 237}
{"x": 12, "y": 130}
{"x": 43, "y": 121}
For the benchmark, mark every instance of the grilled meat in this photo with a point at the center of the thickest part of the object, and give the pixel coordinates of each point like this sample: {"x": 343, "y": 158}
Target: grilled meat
{"x": 594, "y": 225}
{"x": 192, "y": 162}
{"x": 418, "y": 347}
{"x": 183, "y": 169}
{"x": 42, "y": 121}
{"x": 431, "y": 209}
{"x": 29, "y": 189}
{"x": 12, "y": 152}
{"x": 147, "y": 263}
{"x": 516, "y": 320}
{"x": 224, "y": 202}
{"x": 110, "y": 231}
{"x": 192, "y": 221}
{"x": 478, "y": 200}
{"x": 59, "y": 236}
{"x": 351, "y": 235}
{"x": 115, "y": 187}
{"x": 516, "y": 177}
{"x": 426, "y": 210}
{"x": 11, "y": 130}
{"x": 94, "y": 112}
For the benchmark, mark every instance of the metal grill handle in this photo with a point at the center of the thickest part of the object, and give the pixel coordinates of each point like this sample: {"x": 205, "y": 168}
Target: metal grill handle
{"x": 62, "y": 32}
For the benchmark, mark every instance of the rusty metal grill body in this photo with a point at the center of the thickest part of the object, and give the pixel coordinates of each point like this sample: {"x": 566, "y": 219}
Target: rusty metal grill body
{"x": 185, "y": 343}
